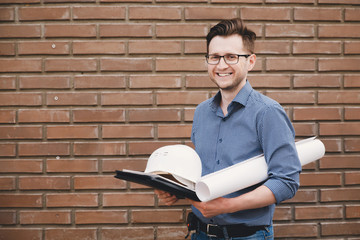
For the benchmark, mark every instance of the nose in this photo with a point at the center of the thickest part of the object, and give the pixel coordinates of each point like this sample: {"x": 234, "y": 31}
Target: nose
{"x": 222, "y": 63}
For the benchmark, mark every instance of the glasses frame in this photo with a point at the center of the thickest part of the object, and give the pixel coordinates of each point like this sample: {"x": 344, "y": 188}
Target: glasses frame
{"x": 238, "y": 56}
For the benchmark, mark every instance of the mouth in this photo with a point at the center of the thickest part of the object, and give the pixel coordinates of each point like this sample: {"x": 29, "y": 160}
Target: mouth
{"x": 223, "y": 74}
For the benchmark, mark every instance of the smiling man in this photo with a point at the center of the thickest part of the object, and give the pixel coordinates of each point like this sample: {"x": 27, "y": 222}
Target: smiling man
{"x": 236, "y": 124}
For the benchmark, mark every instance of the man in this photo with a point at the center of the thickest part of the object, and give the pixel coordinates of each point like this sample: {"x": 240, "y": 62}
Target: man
{"x": 237, "y": 124}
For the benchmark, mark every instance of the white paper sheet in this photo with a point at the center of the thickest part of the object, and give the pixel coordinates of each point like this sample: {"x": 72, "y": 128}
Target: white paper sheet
{"x": 251, "y": 172}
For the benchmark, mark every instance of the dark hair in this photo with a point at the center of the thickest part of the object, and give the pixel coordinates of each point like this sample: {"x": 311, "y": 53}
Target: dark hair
{"x": 230, "y": 27}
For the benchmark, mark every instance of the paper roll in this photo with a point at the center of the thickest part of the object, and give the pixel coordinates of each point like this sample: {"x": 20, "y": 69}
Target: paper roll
{"x": 251, "y": 172}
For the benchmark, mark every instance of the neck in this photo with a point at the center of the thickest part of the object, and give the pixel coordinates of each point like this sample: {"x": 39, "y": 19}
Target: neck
{"x": 228, "y": 95}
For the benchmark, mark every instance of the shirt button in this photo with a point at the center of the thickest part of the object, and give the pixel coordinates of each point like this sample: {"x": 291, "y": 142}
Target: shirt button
{"x": 218, "y": 162}
{"x": 220, "y": 140}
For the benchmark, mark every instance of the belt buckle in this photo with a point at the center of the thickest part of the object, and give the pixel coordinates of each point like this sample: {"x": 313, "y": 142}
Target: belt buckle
{"x": 208, "y": 228}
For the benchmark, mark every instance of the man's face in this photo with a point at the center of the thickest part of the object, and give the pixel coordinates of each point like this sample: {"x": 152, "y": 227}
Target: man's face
{"x": 229, "y": 77}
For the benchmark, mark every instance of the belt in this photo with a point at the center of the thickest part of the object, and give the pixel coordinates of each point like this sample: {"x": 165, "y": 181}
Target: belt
{"x": 234, "y": 230}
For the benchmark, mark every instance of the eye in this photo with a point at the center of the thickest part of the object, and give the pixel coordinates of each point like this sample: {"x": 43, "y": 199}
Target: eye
{"x": 213, "y": 57}
{"x": 231, "y": 57}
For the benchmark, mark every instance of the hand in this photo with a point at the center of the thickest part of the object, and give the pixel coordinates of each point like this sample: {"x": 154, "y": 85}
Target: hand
{"x": 212, "y": 208}
{"x": 166, "y": 197}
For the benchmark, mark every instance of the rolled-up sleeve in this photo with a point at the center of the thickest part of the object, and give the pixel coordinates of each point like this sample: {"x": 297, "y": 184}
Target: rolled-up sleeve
{"x": 277, "y": 138}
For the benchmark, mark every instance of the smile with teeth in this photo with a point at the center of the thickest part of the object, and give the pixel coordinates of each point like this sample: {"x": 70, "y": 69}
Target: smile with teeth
{"x": 223, "y": 74}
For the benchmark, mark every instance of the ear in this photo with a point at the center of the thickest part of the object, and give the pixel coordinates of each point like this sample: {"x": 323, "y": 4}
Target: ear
{"x": 252, "y": 61}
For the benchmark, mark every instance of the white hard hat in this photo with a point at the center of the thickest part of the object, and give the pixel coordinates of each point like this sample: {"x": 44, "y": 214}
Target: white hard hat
{"x": 181, "y": 161}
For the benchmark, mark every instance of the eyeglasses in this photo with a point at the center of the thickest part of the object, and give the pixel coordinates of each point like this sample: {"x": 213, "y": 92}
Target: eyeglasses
{"x": 230, "y": 59}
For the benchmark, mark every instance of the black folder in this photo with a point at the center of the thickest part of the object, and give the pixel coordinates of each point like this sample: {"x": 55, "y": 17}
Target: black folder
{"x": 158, "y": 182}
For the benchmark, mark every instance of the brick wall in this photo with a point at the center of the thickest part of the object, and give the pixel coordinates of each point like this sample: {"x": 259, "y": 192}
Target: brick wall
{"x": 90, "y": 86}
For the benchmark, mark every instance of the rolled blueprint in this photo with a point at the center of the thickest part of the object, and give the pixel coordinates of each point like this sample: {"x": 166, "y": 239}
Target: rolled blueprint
{"x": 251, "y": 171}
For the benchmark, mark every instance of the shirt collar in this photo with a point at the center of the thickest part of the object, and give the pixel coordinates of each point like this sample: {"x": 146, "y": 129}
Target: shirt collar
{"x": 240, "y": 98}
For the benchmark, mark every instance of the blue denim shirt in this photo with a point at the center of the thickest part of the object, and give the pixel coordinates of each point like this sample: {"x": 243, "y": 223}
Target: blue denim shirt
{"x": 254, "y": 125}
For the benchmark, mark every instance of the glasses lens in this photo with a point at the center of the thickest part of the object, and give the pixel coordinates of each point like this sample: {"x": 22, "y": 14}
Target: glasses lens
{"x": 231, "y": 58}
{"x": 213, "y": 59}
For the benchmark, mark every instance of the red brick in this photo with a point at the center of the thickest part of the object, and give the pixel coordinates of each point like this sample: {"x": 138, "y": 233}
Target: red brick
{"x": 145, "y": 148}
{"x": 96, "y": 81}
{"x": 29, "y": 166}
{"x": 154, "y": 47}
{"x": 344, "y": 128}
{"x": 99, "y": 148}
{"x": 180, "y": 64}
{"x": 128, "y": 199}
{"x": 7, "y": 218}
{"x": 98, "y": 12}
{"x": 20, "y": 65}
{"x": 7, "y": 183}
{"x": 149, "y": 81}
{"x": 352, "y": 14}
{"x": 125, "y": 30}
{"x": 351, "y": 81}
{"x": 339, "y": 64}
{"x": 352, "y": 211}
{"x": 71, "y": 65}
{"x": 127, "y": 233}
{"x": 290, "y": 1}
{"x": 108, "y": 165}
{"x": 21, "y": 233}
{"x": 270, "y": 81}
{"x": 332, "y": 145}
{"x": 44, "y": 82}
{"x": 7, "y": 48}
{"x": 296, "y": 97}
{"x": 236, "y": 1}
{"x": 352, "y": 47}
{"x": 208, "y": 13}
{"x": 20, "y": 200}
{"x": 289, "y": 30}
{"x": 72, "y": 200}
{"x": 98, "y": 47}
{"x": 317, "y": 80}
{"x": 290, "y": 64}
{"x": 126, "y": 64}
{"x": 340, "y": 162}
{"x": 154, "y": 115}
{"x": 305, "y": 129}
{"x": 127, "y": 131}
{"x": 340, "y": 228}
{"x": 339, "y": 31}
{"x": 181, "y": 97}
{"x": 318, "y": 212}
{"x": 304, "y": 196}
{"x": 98, "y": 182}
{"x": 70, "y": 30}
{"x": 174, "y": 131}
{"x": 352, "y": 113}
{"x": 295, "y": 231}
{"x": 43, "y": 115}
{"x": 20, "y": 31}
{"x": 45, "y": 217}
{"x": 181, "y": 30}
{"x": 20, "y": 99}
{"x": 127, "y": 98}
{"x": 317, "y": 14}
{"x": 73, "y": 99}
{"x": 7, "y": 149}
{"x": 43, "y": 13}
{"x": 72, "y": 132}
{"x": 352, "y": 178}
{"x": 199, "y": 81}
{"x": 44, "y": 183}
{"x": 98, "y": 115}
{"x": 340, "y": 194}
{"x": 159, "y": 13}
{"x": 7, "y": 14}
{"x": 44, "y": 149}
{"x": 157, "y": 216}
{"x": 7, "y": 116}
{"x": 174, "y": 233}
{"x": 101, "y": 217}
{"x": 317, "y": 47}
{"x": 271, "y": 14}
{"x": 20, "y": 132}
{"x": 282, "y": 213}
{"x": 70, "y": 233}
{"x": 272, "y": 47}
{"x": 316, "y": 113}
{"x": 338, "y": 97}
{"x": 71, "y": 165}
{"x": 320, "y": 179}
{"x": 194, "y": 46}
{"x": 352, "y": 145}
{"x": 339, "y": 1}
